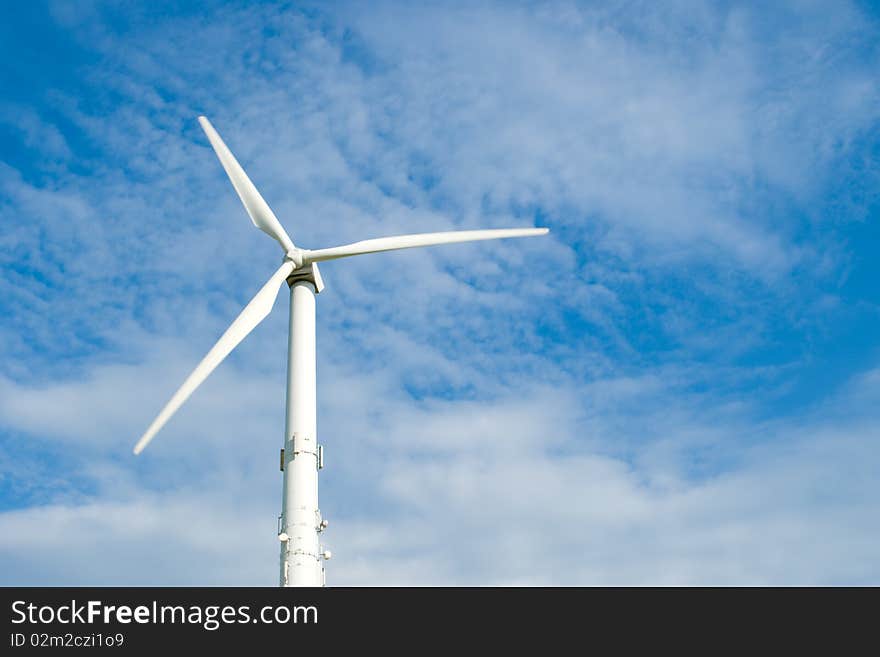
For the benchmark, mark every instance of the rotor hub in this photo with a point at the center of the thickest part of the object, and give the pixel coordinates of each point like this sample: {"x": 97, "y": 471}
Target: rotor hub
{"x": 295, "y": 255}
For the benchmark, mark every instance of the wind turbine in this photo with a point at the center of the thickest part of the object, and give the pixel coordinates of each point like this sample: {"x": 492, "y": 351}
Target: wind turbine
{"x": 301, "y": 562}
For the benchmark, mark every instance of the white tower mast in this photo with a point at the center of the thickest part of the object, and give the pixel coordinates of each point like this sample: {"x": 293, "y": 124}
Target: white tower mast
{"x": 302, "y": 556}
{"x": 301, "y": 522}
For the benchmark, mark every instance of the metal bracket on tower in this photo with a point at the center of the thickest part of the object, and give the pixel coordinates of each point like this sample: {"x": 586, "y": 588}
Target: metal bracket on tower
{"x": 320, "y": 523}
{"x": 309, "y": 273}
{"x": 303, "y": 443}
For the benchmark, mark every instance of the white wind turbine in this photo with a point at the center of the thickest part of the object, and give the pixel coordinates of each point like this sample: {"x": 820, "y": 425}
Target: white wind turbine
{"x": 301, "y": 521}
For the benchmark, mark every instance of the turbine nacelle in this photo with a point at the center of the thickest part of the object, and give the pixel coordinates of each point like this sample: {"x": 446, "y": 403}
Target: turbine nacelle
{"x": 308, "y": 272}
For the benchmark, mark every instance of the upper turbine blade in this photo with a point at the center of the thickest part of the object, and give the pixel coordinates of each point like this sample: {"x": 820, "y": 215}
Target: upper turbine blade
{"x": 260, "y": 212}
{"x": 421, "y": 239}
{"x": 253, "y": 313}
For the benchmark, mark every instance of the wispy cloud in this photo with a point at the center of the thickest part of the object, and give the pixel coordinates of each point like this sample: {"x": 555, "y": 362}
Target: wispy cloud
{"x": 629, "y": 400}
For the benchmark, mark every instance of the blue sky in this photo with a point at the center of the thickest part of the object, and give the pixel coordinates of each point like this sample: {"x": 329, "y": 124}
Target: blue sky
{"x": 679, "y": 385}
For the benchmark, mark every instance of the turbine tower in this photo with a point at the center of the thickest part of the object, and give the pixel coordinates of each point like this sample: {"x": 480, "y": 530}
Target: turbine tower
{"x": 302, "y": 556}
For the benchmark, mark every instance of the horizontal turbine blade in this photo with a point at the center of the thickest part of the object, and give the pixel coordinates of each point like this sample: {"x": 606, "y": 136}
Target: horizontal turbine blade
{"x": 412, "y": 241}
{"x": 260, "y": 212}
{"x": 253, "y": 313}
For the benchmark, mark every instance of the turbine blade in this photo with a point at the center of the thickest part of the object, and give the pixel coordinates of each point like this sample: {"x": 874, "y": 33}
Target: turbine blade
{"x": 421, "y": 239}
{"x": 253, "y": 313}
{"x": 260, "y": 212}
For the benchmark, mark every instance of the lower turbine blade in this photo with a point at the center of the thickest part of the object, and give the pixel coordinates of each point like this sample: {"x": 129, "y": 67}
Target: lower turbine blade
{"x": 254, "y": 313}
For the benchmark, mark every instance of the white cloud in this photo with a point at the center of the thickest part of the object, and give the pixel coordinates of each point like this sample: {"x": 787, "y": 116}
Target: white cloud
{"x": 530, "y": 488}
